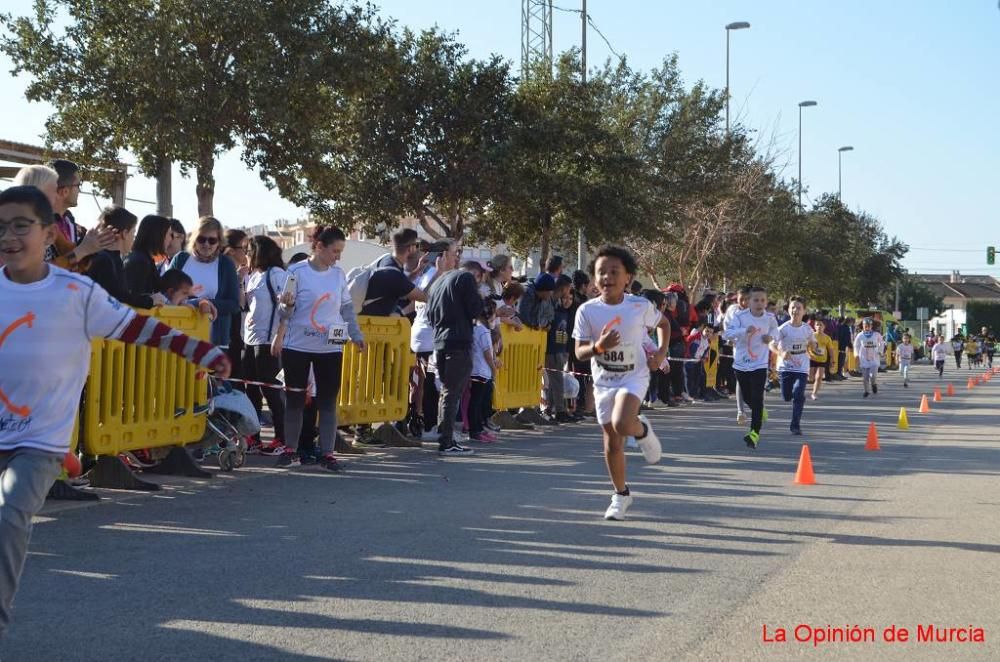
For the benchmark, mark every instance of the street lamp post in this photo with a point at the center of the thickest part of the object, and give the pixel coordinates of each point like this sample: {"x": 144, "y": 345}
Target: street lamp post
{"x": 840, "y": 154}
{"x": 738, "y": 25}
{"x": 802, "y": 104}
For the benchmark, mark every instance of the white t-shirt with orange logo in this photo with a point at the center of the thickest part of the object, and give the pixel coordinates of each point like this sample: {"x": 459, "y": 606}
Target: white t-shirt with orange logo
{"x": 46, "y": 329}
{"x": 633, "y": 318}
{"x": 318, "y": 300}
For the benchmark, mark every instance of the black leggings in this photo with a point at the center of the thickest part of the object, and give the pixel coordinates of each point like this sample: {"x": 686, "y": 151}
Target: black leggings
{"x": 480, "y": 407}
{"x": 327, "y": 369}
{"x": 752, "y": 388}
{"x": 260, "y": 366}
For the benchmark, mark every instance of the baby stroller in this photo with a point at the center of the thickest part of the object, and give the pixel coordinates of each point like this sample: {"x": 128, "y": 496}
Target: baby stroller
{"x": 231, "y": 419}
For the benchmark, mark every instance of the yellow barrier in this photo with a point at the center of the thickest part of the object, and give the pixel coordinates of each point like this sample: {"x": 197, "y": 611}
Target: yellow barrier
{"x": 375, "y": 385}
{"x": 140, "y": 397}
{"x": 519, "y": 381}
{"x": 852, "y": 362}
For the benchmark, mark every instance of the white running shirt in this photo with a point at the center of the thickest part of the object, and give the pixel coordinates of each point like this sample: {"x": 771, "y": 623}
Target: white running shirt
{"x": 45, "y": 333}
{"x": 319, "y": 296}
{"x": 633, "y": 318}
{"x": 869, "y": 348}
{"x": 940, "y": 351}
{"x": 905, "y": 353}
{"x": 754, "y": 355}
{"x": 794, "y": 339}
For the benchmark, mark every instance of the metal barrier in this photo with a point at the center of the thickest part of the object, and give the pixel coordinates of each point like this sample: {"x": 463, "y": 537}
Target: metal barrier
{"x": 519, "y": 382}
{"x": 140, "y": 397}
{"x": 375, "y": 385}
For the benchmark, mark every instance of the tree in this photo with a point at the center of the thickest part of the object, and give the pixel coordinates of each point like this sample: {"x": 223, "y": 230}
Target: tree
{"x": 167, "y": 80}
{"x": 413, "y": 132}
{"x": 566, "y": 165}
{"x": 913, "y": 295}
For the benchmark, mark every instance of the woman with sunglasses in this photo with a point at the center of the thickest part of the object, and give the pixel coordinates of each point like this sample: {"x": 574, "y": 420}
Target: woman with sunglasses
{"x": 317, "y": 321}
{"x": 49, "y": 312}
{"x": 213, "y": 274}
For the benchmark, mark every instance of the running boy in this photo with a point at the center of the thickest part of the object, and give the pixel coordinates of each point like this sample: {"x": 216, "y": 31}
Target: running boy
{"x": 869, "y": 347}
{"x": 609, "y": 331}
{"x": 752, "y": 331}
{"x": 939, "y": 353}
{"x": 792, "y": 344}
{"x": 904, "y": 356}
{"x": 731, "y": 311}
{"x": 49, "y": 312}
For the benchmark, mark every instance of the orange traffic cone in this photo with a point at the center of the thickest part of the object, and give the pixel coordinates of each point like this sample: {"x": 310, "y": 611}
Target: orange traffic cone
{"x": 871, "y": 444}
{"x": 924, "y": 407}
{"x": 804, "y": 474}
{"x": 951, "y": 390}
{"x": 937, "y": 395}
{"x": 972, "y": 383}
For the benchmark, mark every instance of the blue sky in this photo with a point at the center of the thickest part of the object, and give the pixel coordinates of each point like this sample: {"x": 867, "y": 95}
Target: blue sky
{"x": 912, "y": 86}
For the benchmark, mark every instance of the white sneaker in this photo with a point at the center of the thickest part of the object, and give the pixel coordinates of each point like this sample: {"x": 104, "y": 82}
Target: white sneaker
{"x": 741, "y": 419}
{"x": 619, "y": 505}
{"x": 429, "y": 435}
{"x": 650, "y": 444}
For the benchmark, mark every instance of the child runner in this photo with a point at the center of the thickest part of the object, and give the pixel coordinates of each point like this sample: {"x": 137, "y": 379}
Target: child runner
{"x": 957, "y": 346}
{"x": 869, "y": 347}
{"x": 48, "y": 312}
{"x": 752, "y": 330}
{"x": 939, "y": 353}
{"x": 609, "y": 331}
{"x": 731, "y": 311}
{"x": 904, "y": 356}
{"x": 819, "y": 356}
{"x": 792, "y": 344}
{"x": 971, "y": 351}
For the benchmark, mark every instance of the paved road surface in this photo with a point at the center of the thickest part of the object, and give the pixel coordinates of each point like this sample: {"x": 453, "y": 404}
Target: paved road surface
{"x": 505, "y": 556}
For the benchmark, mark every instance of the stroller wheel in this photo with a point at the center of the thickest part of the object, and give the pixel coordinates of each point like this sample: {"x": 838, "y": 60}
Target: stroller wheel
{"x": 226, "y": 460}
{"x": 239, "y": 457}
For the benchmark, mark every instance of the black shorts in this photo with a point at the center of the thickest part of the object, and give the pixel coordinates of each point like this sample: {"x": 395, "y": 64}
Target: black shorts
{"x": 817, "y": 364}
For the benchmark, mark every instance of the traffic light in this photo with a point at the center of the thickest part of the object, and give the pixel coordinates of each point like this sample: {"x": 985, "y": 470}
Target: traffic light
{"x": 991, "y": 255}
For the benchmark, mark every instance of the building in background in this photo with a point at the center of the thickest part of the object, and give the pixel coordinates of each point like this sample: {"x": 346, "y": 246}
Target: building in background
{"x": 958, "y": 291}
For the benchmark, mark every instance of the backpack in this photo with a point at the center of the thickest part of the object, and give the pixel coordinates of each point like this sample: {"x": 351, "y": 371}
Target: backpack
{"x": 357, "y": 283}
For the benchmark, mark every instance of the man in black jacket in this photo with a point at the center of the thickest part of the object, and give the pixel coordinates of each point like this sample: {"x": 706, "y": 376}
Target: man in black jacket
{"x": 453, "y": 304}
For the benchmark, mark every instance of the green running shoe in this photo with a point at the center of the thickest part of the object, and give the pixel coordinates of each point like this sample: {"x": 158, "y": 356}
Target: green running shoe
{"x": 751, "y": 439}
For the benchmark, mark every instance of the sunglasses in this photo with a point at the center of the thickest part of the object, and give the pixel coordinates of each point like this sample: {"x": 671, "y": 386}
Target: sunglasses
{"x": 211, "y": 241}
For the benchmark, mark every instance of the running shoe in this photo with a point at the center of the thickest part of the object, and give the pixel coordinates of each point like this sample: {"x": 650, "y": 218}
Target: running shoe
{"x": 905, "y": 385}
{"x": 866, "y": 394}
{"x": 288, "y": 459}
{"x": 430, "y": 435}
{"x": 813, "y": 396}
{"x": 492, "y": 427}
{"x": 649, "y": 443}
{"x": 276, "y": 447}
{"x": 329, "y": 463}
{"x": 619, "y": 506}
{"x": 363, "y": 441}
{"x": 455, "y": 450}
{"x": 483, "y": 437}
{"x": 741, "y": 419}
{"x": 796, "y": 431}
{"x": 752, "y": 438}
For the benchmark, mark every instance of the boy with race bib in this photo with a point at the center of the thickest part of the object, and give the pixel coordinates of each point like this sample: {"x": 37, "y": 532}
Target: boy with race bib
{"x": 904, "y": 356}
{"x": 869, "y": 347}
{"x": 752, "y": 331}
{"x": 609, "y": 331}
{"x": 792, "y": 344}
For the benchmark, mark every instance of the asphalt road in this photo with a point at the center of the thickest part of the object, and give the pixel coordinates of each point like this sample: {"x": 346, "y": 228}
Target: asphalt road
{"x": 505, "y": 556}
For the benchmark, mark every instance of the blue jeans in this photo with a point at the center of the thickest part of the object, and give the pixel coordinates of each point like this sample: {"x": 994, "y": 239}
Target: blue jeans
{"x": 793, "y": 389}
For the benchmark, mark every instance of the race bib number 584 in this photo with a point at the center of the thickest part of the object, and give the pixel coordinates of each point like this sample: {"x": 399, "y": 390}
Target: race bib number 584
{"x": 619, "y": 359}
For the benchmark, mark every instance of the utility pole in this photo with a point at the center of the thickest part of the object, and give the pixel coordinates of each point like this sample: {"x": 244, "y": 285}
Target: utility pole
{"x": 580, "y": 242}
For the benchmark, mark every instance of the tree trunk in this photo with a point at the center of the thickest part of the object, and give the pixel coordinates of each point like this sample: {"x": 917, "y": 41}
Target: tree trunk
{"x": 205, "y": 189}
{"x": 546, "y": 241}
{"x": 164, "y": 193}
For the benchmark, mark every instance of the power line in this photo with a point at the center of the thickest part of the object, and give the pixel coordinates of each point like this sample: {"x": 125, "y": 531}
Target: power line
{"x": 590, "y": 22}
{"x": 946, "y": 250}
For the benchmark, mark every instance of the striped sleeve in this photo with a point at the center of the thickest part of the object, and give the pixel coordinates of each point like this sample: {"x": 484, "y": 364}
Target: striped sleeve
{"x": 150, "y": 332}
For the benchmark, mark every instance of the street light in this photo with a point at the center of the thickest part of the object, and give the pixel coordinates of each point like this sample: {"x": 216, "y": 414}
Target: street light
{"x": 738, "y": 25}
{"x": 802, "y": 104}
{"x": 840, "y": 154}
